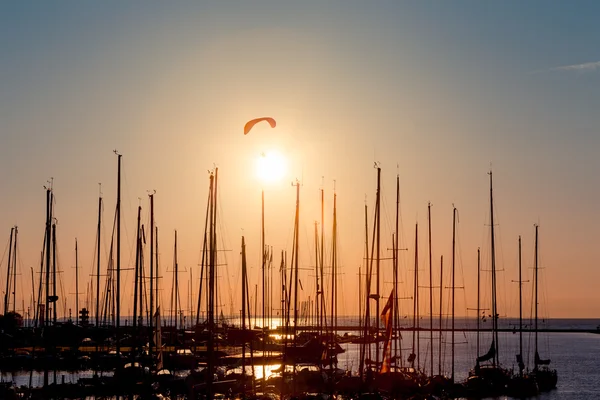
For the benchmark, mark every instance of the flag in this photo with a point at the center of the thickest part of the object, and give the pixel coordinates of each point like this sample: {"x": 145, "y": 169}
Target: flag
{"x": 386, "y": 317}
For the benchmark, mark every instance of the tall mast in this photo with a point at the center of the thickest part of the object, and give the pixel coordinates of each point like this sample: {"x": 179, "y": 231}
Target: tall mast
{"x": 378, "y": 233}
{"x": 494, "y": 305}
{"x": 204, "y": 258}
{"x": 415, "y": 344}
{"x": 48, "y": 236}
{"x": 536, "y": 357}
{"x": 151, "y": 320}
{"x": 366, "y": 293}
{"x": 215, "y": 253}
{"x": 396, "y": 265}
{"x": 136, "y": 279}
{"x": 271, "y": 287}
{"x": 478, "y": 296}
{"x": 54, "y": 296}
{"x": 33, "y": 299}
{"x": 98, "y": 260}
{"x": 175, "y": 295}
{"x": 441, "y": 297}
{"x": 76, "y": 285}
{"x": 6, "y": 294}
{"x": 48, "y": 253}
{"x": 520, "y": 312}
{"x": 263, "y": 262}
{"x": 334, "y": 322}
{"x": 244, "y": 305}
{"x": 38, "y": 302}
{"x": 14, "y": 269}
{"x": 118, "y": 299}
{"x": 321, "y": 264}
{"x": 317, "y": 311}
{"x": 296, "y": 247}
{"x": 157, "y": 276}
{"x": 453, "y": 282}
{"x": 212, "y": 281}
{"x": 359, "y": 297}
{"x": 430, "y": 288}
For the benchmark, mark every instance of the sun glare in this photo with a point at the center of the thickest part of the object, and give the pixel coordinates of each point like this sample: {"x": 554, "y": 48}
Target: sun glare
{"x": 270, "y": 166}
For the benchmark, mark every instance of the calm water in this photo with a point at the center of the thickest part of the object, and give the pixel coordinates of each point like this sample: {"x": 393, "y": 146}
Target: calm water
{"x": 575, "y": 356}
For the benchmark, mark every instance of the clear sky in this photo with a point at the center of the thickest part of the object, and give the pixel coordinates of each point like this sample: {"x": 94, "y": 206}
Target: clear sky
{"x": 436, "y": 92}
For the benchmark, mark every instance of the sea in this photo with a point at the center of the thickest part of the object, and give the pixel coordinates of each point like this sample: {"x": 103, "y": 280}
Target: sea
{"x": 575, "y": 355}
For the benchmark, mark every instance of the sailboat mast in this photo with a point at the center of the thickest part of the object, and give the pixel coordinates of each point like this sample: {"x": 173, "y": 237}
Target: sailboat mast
{"x": 176, "y": 286}
{"x": 441, "y": 297}
{"x": 430, "y": 289}
{"x": 151, "y": 319}
{"x": 98, "y": 230}
{"x": 14, "y": 269}
{"x": 6, "y": 294}
{"x": 334, "y": 322}
{"x": 478, "y": 295}
{"x": 493, "y": 250}
{"x": 157, "y": 274}
{"x": 33, "y": 299}
{"x": 215, "y": 252}
{"x": 38, "y": 302}
{"x": 118, "y": 297}
{"x": 317, "y": 311}
{"x": 366, "y": 295}
{"x": 359, "y": 297}
{"x": 453, "y": 283}
{"x": 47, "y": 238}
{"x": 520, "y": 309}
{"x": 536, "y": 297}
{"x": 296, "y": 243}
{"x": 204, "y": 258}
{"x": 396, "y": 266}
{"x": 263, "y": 262}
{"x": 243, "y": 305}
{"x": 137, "y": 272}
{"x": 211, "y": 283}
{"x": 271, "y": 285}
{"x": 378, "y": 233}
{"x": 321, "y": 265}
{"x": 54, "y": 311}
{"x": 48, "y": 253}
{"x": 76, "y": 285}
{"x": 415, "y": 340}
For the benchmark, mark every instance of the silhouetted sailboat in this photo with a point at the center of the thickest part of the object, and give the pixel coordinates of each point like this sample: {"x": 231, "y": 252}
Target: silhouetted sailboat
{"x": 521, "y": 383}
{"x": 490, "y": 379}
{"x": 546, "y": 378}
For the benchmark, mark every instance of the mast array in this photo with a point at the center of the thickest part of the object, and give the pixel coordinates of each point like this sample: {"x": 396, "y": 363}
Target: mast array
{"x": 48, "y": 299}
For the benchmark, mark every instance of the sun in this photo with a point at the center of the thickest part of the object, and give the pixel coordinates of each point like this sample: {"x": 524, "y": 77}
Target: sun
{"x": 271, "y": 166}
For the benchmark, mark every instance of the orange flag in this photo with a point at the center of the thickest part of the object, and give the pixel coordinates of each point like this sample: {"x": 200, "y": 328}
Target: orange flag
{"x": 386, "y": 317}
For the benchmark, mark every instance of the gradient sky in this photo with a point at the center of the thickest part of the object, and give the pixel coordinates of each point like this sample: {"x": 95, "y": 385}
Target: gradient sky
{"x": 436, "y": 92}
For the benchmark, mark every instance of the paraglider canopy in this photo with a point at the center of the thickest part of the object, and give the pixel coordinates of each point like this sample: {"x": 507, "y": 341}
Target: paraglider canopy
{"x": 250, "y": 124}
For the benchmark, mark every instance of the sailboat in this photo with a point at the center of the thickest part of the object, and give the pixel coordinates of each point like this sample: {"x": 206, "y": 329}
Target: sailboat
{"x": 546, "y": 378}
{"x": 521, "y": 383}
{"x": 389, "y": 375}
{"x": 490, "y": 379}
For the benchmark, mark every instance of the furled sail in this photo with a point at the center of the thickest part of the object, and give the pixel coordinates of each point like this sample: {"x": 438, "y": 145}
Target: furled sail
{"x": 539, "y": 361}
{"x": 520, "y": 362}
{"x": 489, "y": 355}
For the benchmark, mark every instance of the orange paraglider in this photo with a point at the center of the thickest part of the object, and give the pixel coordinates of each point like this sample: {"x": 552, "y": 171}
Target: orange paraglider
{"x": 250, "y": 124}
